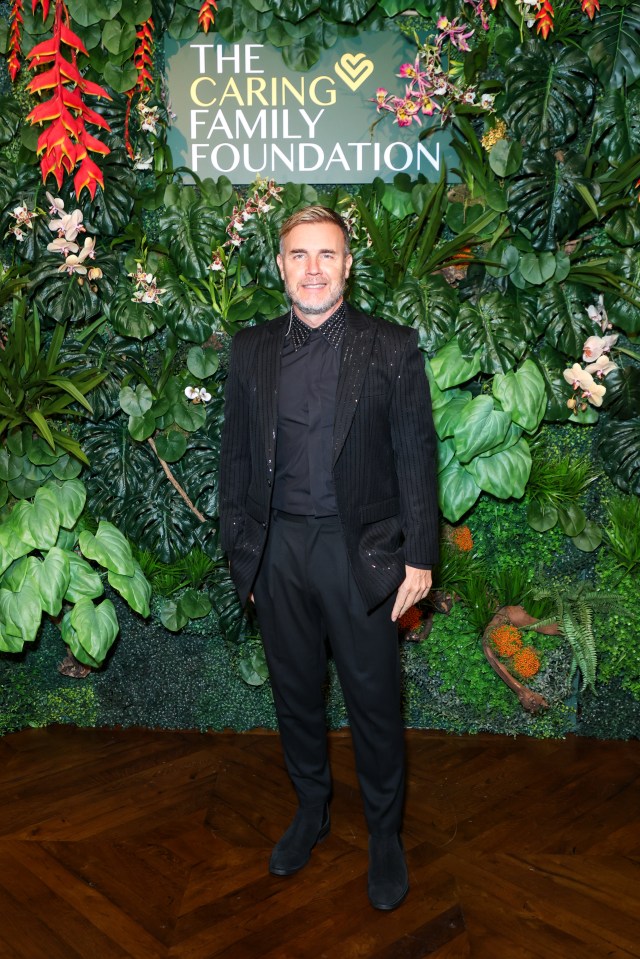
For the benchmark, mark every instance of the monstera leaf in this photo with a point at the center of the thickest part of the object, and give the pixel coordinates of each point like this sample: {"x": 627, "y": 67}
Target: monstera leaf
{"x": 114, "y": 355}
{"x": 430, "y": 305}
{"x": 367, "y": 288}
{"x": 10, "y": 116}
{"x": 622, "y": 398}
{"x": 551, "y": 364}
{"x": 187, "y": 316}
{"x": 613, "y": 43}
{"x": 490, "y": 332}
{"x": 129, "y": 317}
{"x": 543, "y": 197}
{"x": 119, "y": 464}
{"x": 616, "y": 124}
{"x": 190, "y": 230}
{"x": 62, "y": 296}
{"x": 110, "y": 210}
{"x": 622, "y": 313}
{"x": 568, "y": 324}
{"x": 549, "y": 90}
{"x": 620, "y": 452}
{"x": 157, "y": 519}
{"x": 259, "y": 250}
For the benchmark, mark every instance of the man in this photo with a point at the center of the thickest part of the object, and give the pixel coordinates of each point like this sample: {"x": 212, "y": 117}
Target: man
{"x": 328, "y": 513}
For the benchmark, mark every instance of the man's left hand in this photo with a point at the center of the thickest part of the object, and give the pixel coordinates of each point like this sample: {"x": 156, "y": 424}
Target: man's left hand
{"x": 415, "y": 586}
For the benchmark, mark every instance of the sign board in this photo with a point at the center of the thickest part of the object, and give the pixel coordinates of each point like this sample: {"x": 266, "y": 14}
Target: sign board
{"x": 241, "y": 112}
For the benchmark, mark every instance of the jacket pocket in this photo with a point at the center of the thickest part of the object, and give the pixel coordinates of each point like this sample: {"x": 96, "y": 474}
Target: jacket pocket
{"x": 374, "y": 512}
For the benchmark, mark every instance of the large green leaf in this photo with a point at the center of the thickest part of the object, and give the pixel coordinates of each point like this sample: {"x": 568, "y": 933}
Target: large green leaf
{"x": 430, "y": 305}
{"x": 457, "y": 491}
{"x": 616, "y": 124}
{"x": 187, "y": 316}
{"x": 83, "y": 580}
{"x": 69, "y": 498}
{"x": 191, "y": 230}
{"x": 564, "y": 310}
{"x": 544, "y": 199}
{"x": 10, "y": 116}
{"x": 522, "y": 395}
{"x": 450, "y": 367}
{"x": 491, "y": 334}
{"x": 620, "y": 452}
{"x": 613, "y": 43}
{"x": 622, "y": 399}
{"x": 447, "y": 415}
{"x": 60, "y": 297}
{"x": 481, "y": 427}
{"x": 51, "y": 578}
{"x": 184, "y": 22}
{"x": 37, "y": 523}
{"x": 109, "y": 548}
{"x": 549, "y": 90}
{"x": 132, "y": 318}
{"x": 503, "y": 474}
{"x": 136, "y": 589}
{"x": 622, "y": 313}
{"x": 157, "y": 518}
{"x": 110, "y": 210}
{"x": 259, "y": 250}
{"x": 89, "y": 631}
{"x": 20, "y": 616}
{"x": 552, "y": 364}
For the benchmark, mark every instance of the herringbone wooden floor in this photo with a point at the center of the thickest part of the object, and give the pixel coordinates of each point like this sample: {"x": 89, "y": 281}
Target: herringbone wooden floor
{"x": 154, "y": 845}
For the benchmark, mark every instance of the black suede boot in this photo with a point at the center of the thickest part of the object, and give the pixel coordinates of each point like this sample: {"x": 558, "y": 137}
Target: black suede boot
{"x": 292, "y": 852}
{"x": 388, "y": 876}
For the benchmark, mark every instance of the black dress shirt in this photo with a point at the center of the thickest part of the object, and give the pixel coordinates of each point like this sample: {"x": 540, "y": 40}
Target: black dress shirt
{"x": 310, "y": 364}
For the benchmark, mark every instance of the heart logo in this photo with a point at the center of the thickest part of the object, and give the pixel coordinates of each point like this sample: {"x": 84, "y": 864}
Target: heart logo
{"x": 354, "y": 69}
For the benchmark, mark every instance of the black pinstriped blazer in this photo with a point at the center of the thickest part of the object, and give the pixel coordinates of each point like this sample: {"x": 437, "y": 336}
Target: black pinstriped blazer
{"x": 384, "y": 452}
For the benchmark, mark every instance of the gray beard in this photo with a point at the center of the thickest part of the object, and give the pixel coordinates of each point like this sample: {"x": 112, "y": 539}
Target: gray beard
{"x": 320, "y": 307}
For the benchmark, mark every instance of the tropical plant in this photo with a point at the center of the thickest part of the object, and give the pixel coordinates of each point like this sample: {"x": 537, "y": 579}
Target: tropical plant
{"x": 573, "y": 610}
{"x": 47, "y": 565}
{"x": 622, "y": 531}
{"x": 37, "y": 387}
{"x": 556, "y": 485}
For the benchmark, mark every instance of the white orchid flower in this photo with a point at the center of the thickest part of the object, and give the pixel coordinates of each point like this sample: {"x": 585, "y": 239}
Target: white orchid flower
{"x": 601, "y": 367}
{"x": 62, "y": 245}
{"x": 56, "y": 205}
{"x": 592, "y": 391}
{"x": 574, "y": 375}
{"x": 595, "y": 346}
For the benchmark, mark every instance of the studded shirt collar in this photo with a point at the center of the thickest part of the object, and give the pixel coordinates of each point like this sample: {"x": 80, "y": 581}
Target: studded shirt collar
{"x": 332, "y": 329}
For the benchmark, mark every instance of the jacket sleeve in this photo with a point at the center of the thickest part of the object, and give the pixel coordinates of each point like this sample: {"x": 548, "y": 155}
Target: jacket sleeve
{"x": 235, "y": 453}
{"x": 414, "y": 444}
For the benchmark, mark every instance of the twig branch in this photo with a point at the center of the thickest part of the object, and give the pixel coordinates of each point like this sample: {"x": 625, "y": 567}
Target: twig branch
{"x": 174, "y": 482}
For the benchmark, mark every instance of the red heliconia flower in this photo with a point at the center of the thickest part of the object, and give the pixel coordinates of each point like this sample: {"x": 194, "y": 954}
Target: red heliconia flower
{"x": 589, "y": 7}
{"x": 143, "y": 60}
{"x": 206, "y": 16}
{"x": 143, "y": 56}
{"x": 65, "y": 141}
{"x": 13, "y": 61}
{"x": 45, "y": 7}
{"x": 544, "y": 19}
{"x": 493, "y": 4}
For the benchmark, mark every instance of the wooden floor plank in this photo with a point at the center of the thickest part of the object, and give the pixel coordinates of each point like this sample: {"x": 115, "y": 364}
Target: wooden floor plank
{"x": 141, "y": 844}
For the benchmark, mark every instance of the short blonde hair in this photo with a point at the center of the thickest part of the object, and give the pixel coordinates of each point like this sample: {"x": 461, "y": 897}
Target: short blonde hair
{"x": 314, "y": 214}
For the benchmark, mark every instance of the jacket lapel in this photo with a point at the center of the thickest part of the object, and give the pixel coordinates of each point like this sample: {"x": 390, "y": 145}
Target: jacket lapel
{"x": 356, "y": 350}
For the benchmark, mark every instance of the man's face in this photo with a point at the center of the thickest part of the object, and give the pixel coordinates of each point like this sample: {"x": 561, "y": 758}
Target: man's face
{"x": 314, "y": 267}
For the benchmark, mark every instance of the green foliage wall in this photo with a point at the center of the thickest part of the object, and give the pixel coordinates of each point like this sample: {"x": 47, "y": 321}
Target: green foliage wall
{"x": 523, "y": 280}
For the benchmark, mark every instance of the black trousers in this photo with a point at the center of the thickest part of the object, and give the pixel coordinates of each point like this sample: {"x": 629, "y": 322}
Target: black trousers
{"x": 305, "y": 593}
